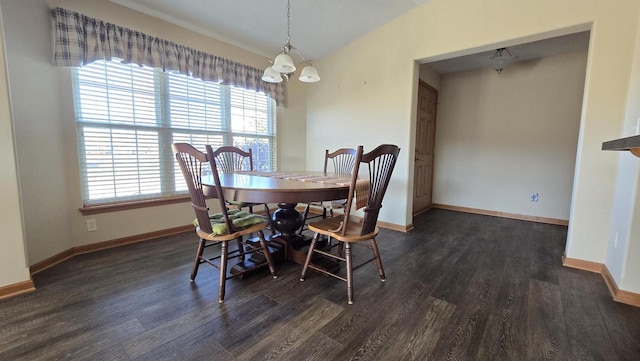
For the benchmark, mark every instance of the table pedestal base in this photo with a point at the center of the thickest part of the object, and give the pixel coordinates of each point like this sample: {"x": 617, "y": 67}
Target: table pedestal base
{"x": 276, "y": 250}
{"x": 286, "y": 243}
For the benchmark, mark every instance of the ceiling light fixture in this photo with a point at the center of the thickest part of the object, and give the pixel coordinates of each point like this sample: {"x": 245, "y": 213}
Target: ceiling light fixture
{"x": 500, "y": 59}
{"x": 283, "y": 67}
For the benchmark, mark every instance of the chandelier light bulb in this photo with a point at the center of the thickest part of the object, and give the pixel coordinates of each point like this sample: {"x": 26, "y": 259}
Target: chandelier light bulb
{"x": 271, "y": 76}
{"x": 284, "y": 64}
{"x": 309, "y": 74}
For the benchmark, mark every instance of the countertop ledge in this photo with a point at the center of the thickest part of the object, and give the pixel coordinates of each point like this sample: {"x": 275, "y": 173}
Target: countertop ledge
{"x": 631, "y": 144}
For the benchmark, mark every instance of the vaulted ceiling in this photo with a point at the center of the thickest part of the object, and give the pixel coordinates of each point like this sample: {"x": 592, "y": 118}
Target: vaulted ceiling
{"x": 318, "y": 27}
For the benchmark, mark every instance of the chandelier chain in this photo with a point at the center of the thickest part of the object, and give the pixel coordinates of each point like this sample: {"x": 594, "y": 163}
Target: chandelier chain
{"x": 288, "y": 21}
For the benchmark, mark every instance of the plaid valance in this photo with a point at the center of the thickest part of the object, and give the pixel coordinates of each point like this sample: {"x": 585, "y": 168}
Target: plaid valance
{"x": 80, "y": 40}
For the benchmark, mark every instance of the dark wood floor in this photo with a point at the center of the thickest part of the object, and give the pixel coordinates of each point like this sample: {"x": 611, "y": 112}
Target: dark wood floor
{"x": 459, "y": 287}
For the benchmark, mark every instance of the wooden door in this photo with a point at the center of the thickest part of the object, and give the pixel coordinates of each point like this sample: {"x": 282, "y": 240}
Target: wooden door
{"x": 425, "y": 144}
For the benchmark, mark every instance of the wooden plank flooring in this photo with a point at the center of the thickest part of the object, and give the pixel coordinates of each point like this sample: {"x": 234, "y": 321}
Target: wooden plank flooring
{"x": 459, "y": 287}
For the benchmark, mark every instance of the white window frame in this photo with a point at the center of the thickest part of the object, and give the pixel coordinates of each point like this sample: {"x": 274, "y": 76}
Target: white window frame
{"x": 170, "y": 178}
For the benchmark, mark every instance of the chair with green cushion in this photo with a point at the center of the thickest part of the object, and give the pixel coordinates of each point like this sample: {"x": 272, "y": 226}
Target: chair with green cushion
{"x": 219, "y": 228}
{"x": 233, "y": 159}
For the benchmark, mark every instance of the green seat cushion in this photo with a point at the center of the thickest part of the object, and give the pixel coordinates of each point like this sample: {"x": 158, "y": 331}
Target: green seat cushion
{"x": 240, "y": 220}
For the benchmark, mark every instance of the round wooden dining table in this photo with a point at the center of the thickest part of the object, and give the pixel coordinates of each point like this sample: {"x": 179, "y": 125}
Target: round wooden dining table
{"x": 285, "y": 189}
{"x": 272, "y": 187}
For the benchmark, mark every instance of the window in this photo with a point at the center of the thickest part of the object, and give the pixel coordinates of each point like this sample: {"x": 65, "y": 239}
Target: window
{"x": 127, "y": 117}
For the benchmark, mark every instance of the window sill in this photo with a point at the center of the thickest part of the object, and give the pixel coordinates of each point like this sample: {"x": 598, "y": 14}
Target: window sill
{"x": 123, "y": 206}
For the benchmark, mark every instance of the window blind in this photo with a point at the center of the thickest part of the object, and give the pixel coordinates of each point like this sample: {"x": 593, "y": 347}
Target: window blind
{"x": 127, "y": 117}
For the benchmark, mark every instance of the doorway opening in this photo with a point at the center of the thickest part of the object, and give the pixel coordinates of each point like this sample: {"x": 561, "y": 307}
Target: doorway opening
{"x": 506, "y": 142}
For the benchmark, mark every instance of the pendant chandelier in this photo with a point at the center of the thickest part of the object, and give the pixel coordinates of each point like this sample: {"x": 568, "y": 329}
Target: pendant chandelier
{"x": 283, "y": 67}
{"x": 500, "y": 59}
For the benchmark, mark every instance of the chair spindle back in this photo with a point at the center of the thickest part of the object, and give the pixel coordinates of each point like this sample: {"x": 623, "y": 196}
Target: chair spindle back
{"x": 215, "y": 171}
{"x": 343, "y": 160}
{"x": 352, "y": 187}
{"x": 232, "y": 159}
{"x": 191, "y": 162}
{"x": 381, "y": 162}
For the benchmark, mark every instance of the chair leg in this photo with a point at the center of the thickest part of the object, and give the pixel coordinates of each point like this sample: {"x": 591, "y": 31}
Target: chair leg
{"x": 312, "y": 246}
{"x": 267, "y": 255}
{"x": 305, "y": 214}
{"x": 196, "y": 262}
{"x": 347, "y": 248}
{"x": 324, "y": 216}
{"x": 340, "y": 249}
{"x": 240, "y": 248}
{"x": 267, "y": 212}
{"x": 376, "y": 253}
{"x": 223, "y": 271}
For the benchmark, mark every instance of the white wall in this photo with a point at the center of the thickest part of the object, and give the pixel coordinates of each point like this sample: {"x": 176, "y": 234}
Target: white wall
{"x": 501, "y": 137}
{"x": 40, "y": 131}
{"x": 623, "y": 248}
{"x": 44, "y": 125}
{"x": 630, "y": 279}
{"x": 371, "y": 106}
{"x": 13, "y": 260}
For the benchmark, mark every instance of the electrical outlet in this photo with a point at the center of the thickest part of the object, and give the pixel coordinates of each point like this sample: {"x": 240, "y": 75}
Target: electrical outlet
{"x": 534, "y": 197}
{"x": 92, "y": 225}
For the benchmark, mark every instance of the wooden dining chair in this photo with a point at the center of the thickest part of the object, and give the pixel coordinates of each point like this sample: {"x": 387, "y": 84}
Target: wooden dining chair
{"x": 233, "y": 159}
{"x": 347, "y": 229}
{"x": 342, "y": 161}
{"x": 219, "y": 228}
